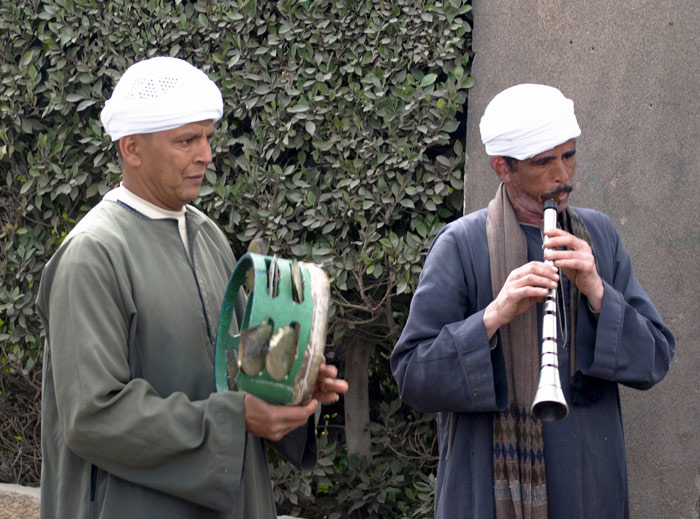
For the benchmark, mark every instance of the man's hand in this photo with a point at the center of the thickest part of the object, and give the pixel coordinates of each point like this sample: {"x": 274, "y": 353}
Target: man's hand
{"x": 524, "y": 287}
{"x": 328, "y": 386}
{"x": 273, "y": 422}
{"x": 575, "y": 257}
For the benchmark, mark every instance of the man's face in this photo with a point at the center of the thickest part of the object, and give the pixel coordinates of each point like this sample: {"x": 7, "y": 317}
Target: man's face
{"x": 173, "y": 163}
{"x": 545, "y": 173}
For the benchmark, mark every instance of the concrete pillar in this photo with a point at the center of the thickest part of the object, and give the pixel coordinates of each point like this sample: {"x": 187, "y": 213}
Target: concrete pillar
{"x": 633, "y": 71}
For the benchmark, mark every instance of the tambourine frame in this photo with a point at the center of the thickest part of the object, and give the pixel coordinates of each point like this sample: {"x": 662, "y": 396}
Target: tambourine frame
{"x": 280, "y": 309}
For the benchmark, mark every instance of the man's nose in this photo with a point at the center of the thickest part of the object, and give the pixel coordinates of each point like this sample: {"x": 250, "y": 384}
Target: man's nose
{"x": 204, "y": 152}
{"x": 560, "y": 171}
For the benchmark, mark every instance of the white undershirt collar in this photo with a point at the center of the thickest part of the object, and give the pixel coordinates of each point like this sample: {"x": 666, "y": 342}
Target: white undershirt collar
{"x": 146, "y": 208}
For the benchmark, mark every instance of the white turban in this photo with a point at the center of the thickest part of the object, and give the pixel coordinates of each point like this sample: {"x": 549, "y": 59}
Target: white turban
{"x": 160, "y": 94}
{"x": 527, "y": 119}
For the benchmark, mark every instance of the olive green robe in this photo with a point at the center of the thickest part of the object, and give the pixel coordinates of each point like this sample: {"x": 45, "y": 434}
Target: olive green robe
{"x": 131, "y": 424}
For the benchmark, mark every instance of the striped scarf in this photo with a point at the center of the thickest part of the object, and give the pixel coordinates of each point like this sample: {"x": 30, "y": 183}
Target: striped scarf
{"x": 520, "y": 489}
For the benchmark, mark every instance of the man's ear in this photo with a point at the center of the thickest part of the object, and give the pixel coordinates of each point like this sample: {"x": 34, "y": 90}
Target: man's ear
{"x": 131, "y": 147}
{"x": 500, "y": 166}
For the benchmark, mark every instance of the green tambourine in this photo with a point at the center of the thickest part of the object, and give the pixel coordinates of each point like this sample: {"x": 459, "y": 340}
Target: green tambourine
{"x": 278, "y": 350}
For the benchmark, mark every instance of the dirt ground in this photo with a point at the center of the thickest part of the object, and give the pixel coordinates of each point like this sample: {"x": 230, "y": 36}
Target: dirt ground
{"x": 18, "y": 503}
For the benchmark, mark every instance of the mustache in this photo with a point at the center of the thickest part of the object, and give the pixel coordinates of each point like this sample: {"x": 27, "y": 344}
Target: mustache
{"x": 564, "y": 188}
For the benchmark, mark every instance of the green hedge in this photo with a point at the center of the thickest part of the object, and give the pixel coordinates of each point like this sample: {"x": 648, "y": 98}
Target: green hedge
{"x": 341, "y": 143}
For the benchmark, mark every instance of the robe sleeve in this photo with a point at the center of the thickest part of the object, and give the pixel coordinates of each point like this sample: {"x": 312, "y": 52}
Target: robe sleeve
{"x": 443, "y": 360}
{"x": 299, "y": 446}
{"x": 628, "y": 341}
{"x": 193, "y": 450}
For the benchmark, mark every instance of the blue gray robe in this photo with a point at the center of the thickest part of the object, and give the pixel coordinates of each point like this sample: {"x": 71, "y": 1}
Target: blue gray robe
{"x": 443, "y": 363}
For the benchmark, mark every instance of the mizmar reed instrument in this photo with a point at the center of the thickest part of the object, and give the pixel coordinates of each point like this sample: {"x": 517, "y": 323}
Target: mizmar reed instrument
{"x": 549, "y": 404}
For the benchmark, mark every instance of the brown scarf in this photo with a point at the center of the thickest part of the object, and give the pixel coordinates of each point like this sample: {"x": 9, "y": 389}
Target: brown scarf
{"x": 520, "y": 489}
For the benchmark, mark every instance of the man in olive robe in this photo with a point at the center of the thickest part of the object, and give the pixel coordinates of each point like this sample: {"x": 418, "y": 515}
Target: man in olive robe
{"x": 132, "y": 426}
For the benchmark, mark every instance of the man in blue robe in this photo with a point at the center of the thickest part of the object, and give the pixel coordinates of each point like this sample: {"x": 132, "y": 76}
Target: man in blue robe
{"x": 470, "y": 347}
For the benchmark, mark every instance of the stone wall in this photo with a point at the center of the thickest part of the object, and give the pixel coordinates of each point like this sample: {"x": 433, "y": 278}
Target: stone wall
{"x": 633, "y": 70}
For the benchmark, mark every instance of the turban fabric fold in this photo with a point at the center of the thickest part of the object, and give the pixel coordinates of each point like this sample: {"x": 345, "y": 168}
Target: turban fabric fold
{"x": 527, "y": 119}
{"x": 160, "y": 94}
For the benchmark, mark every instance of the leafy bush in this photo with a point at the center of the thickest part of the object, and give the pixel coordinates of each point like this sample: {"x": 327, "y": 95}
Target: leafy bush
{"x": 341, "y": 143}
{"x": 397, "y": 482}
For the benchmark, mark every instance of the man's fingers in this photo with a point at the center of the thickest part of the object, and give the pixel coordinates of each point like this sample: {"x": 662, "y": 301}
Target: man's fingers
{"x": 533, "y": 274}
{"x": 328, "y": 370}
{"x": 538, "y": 281}
{"x": 558, "y": 238}
{"x": 330, "y": 396}
{"x": 275, "y": 421}
{"x": 328, "y": 387}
